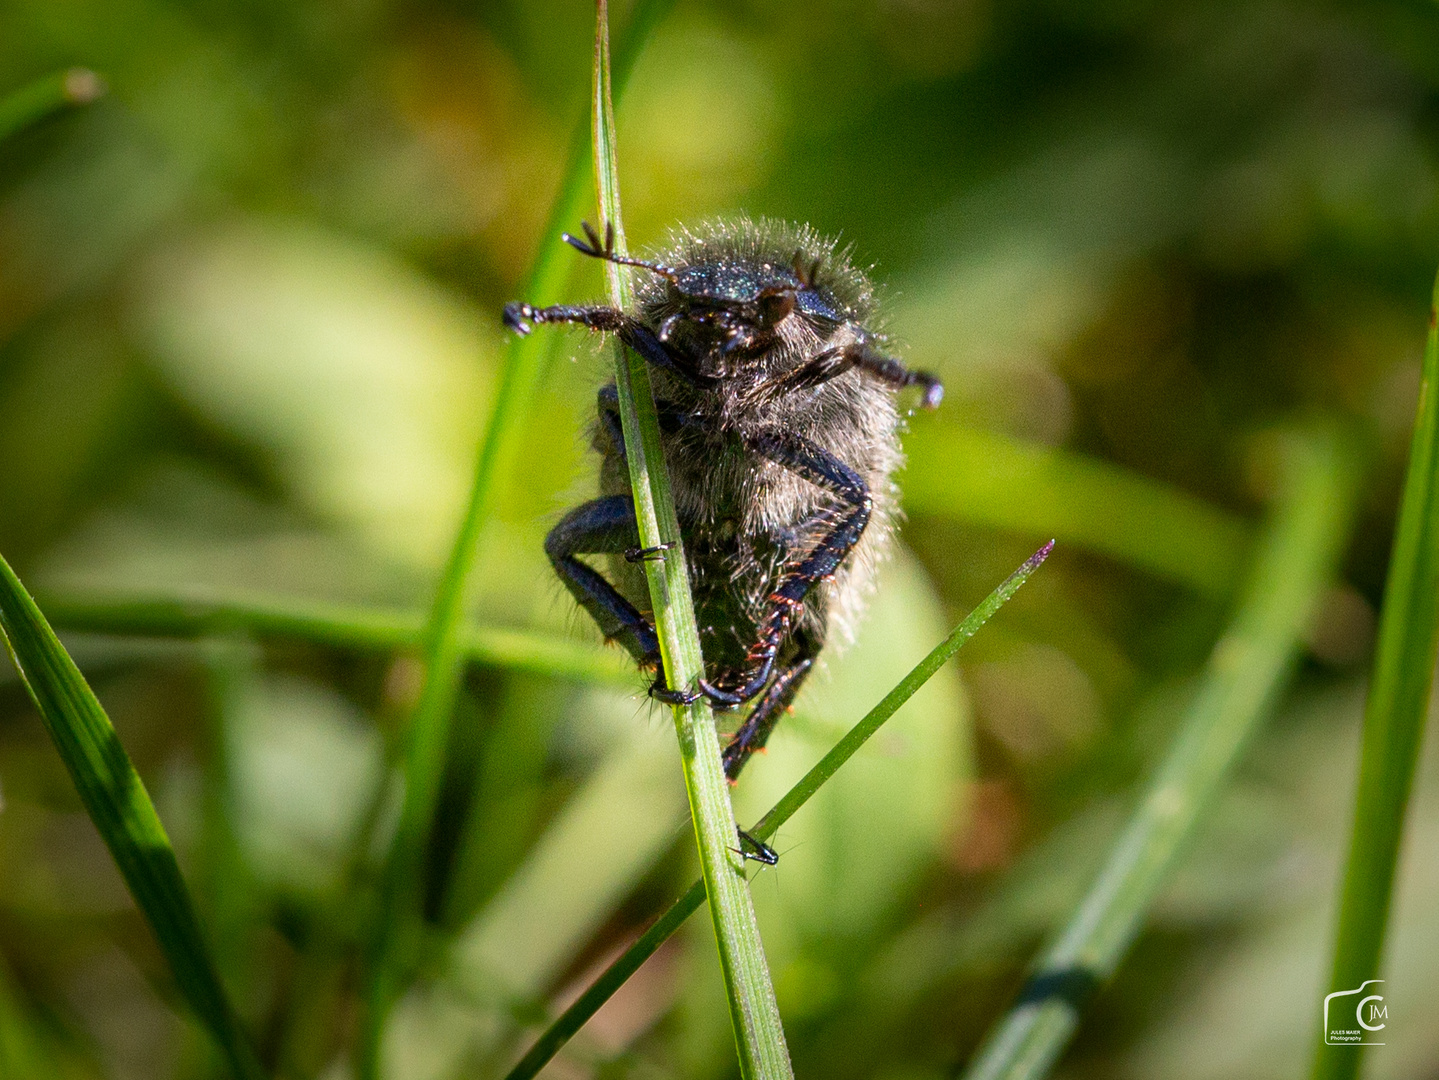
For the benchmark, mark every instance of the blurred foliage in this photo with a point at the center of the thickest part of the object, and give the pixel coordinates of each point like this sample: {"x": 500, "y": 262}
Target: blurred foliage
{"x": 248, "y": 337}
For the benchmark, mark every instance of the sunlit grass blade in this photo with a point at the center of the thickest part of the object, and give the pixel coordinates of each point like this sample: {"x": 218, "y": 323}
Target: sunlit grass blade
{"x": 613, "y": 977}
{"x": 121, "y": 809}
{"x": 1393, "y": 717}
{"x": 985, "y": 478}
{"x": 339, "y": 625}
{"x": 758, "y": 1032}
{"x": 1247, "y": 670}
{"x": 395, "y": 930}
{"x": 35, "y": 101}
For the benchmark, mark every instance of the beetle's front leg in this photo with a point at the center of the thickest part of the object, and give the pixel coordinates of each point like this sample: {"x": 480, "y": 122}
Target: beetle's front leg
{"x": 522, "y": 318}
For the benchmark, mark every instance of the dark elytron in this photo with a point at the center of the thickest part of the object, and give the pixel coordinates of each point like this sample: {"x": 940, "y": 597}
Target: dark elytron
{"x": 780, "y": 432}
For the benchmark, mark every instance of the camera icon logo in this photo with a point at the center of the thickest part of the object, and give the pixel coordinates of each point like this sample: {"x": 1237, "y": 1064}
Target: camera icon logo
{"x": 1355, "y": 1017}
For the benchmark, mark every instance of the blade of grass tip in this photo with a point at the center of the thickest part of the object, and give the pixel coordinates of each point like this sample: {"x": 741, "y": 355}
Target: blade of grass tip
{"x": 759, "y": 1034}
{"x": 615, "y": 976}
{"x": 120, "y": 807}
{"x": 50, "y": 93}
{"x": 332, "y": 624}
{"x": 1393, "y": 717}
{"x": 1247, "y": 670}
{"x": 395, "y": 928}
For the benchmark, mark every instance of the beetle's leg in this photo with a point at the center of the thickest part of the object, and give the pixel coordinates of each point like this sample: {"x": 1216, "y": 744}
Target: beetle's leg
{"x": 861, "y": 354}
{"x": 757, "y": 726}
{"x": 602, "y": 527}
{"x": 827, "y": 365}
{"x": 519, "y": 316}
{"x": 671, "y": 418}
{"x": 752, "y": 847}
{"x": 824, "y": 470}
{"x": 608, "y": 406}
{"x": 889, "y": 370}
{"x": 607, "y": 527}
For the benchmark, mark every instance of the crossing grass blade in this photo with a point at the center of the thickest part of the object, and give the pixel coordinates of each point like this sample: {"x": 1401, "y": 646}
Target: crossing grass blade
{"x": 1393, "y": 717}
{"x": 1247, "y": 670}
{"x": 381, "y": 629}
{"x": 603, "y": 988}
{"x": 116, "y": 800}
{"x": 395, "y": 933}
{"x": 33, "y": 102}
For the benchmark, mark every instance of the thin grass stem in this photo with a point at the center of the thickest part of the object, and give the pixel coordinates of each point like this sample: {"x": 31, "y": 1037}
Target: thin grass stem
{"x": 381, "y": 629}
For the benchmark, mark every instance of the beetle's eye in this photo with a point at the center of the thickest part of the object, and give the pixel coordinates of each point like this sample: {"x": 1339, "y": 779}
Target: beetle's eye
{"x": 776, "y": 306}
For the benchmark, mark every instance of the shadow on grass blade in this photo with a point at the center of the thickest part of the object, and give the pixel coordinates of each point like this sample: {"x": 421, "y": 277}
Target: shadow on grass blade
{"x": 120, "y": 807}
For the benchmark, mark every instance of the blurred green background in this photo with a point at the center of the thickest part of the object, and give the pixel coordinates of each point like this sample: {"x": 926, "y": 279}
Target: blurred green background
{"x": 248, "y": 339}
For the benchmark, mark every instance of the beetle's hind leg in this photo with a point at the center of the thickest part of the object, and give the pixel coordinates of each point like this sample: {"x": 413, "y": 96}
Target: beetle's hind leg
{"x": 826, "y": 471}
{"x": 607, "y": 527}
{"x": 760, "y": 723}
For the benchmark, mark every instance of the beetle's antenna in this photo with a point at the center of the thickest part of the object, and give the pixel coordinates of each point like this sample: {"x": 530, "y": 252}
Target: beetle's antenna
{"x": 592, "y": 247}
{"x": 807, "y": 275}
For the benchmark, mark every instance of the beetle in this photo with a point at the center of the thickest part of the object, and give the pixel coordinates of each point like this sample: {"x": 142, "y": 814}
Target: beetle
{"x": 780, "y": 429}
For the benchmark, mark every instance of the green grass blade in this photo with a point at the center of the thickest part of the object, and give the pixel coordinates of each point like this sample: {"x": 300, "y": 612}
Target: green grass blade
{"x": 1393, "y": 717}
{"x": 759, "y": 1034}
{"x": 1246, "y": 672}
{"x": 613, "y": 977}
{"x": 263, "y": 616}
{"x": 50, "y": 93}
{"x": 120, "y": 807}
{"x": 986, "y": 478}
{"x": 395, "y": 927}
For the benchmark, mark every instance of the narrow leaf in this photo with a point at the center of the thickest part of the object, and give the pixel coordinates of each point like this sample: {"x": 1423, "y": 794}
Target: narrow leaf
{"x": 758, "y": 1032}
{"x": 121, "y": 809}
{"x": 1393, "y": 717}
{"x": 986, "y": 478}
